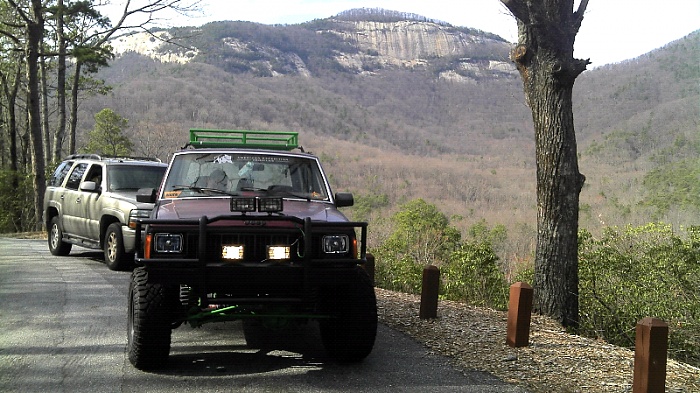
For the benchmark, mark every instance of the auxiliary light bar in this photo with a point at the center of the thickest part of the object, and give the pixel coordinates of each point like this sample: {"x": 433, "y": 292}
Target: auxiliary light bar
{"x": 251, "y": 204}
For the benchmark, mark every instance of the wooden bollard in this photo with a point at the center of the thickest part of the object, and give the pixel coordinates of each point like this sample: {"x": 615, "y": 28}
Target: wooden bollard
{"x": 650, "y": 350}
{"x": 429, "y": 292}
{"x": 369, "y": 266}
{"x": 519, "y": 312}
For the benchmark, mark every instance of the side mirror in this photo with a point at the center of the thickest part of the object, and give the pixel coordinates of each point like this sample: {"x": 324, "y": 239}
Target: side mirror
{"x": 146, "y": 195}
{"x": 343, "y": 199}
{"x": 89, "y": 186}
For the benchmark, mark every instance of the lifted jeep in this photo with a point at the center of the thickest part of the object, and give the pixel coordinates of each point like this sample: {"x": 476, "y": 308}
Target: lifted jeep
{"x": 245, "y": 229}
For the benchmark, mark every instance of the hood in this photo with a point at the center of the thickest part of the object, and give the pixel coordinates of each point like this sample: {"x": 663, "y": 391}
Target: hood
{"x": 128, "y": 196}
{"x": 211, "y": 207}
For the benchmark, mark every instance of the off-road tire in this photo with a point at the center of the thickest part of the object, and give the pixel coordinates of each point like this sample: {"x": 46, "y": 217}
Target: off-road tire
{"x": 56, "y": 244}
{"x": 349, "y": 334}
{"x": 151, "y": 310}
{"x": 115, "y": 257}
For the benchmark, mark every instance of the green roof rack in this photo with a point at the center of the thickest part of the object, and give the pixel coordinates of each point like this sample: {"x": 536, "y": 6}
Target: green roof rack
{"x": 275, "y": 140}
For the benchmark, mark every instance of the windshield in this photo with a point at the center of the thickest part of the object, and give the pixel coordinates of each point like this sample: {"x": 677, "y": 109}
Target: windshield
{"x": 217, "y": 174}
{"x": 133, "y": 177}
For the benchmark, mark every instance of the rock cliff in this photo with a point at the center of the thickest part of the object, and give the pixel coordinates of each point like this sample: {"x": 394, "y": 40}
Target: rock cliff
{"x": 452, "y": 53}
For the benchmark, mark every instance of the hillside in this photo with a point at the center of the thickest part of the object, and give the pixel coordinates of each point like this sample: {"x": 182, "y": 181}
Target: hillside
{"x": 402, "y": 107}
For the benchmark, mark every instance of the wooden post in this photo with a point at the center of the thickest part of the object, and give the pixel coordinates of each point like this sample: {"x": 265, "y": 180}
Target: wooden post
{"x": 429, "y": 292}
{"x": 650, "y": 349}
{"x": 519, "y": 312}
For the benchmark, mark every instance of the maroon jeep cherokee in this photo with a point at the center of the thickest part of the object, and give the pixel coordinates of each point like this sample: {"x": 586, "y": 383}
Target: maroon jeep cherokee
{"x": 245, "y": 228}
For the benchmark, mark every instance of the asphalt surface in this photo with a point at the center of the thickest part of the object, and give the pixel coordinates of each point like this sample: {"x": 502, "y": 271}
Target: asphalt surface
{"x": 63, "y": 324}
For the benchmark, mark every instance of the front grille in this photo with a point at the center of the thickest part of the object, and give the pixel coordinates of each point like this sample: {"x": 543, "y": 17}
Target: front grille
{"x": 254, "y": 245}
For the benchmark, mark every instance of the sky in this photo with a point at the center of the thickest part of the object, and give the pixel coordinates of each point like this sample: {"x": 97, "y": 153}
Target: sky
{"x": 612, "y": 30}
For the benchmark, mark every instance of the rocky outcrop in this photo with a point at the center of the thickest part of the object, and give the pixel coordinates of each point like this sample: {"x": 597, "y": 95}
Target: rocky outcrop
{"x": 456, "y": 54}
{"x": 150, "y": 45}
{"x": 410, "y": 40}
{"x": 416, "y": 44}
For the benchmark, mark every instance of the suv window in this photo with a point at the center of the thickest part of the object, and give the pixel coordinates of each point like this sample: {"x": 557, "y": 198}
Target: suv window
{"x": 132, "y": 177}
{"x": 60, "y": 174}
{"x": 75, "y": 176}
{"x": 95, "y": 174}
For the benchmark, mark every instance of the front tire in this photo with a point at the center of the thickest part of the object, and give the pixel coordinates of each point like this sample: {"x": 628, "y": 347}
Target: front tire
{"x": 115, "y": 257}
{"x": 151, "y": 308}
{"x": 56, "y": 244}
{"x": 349, "y": 335}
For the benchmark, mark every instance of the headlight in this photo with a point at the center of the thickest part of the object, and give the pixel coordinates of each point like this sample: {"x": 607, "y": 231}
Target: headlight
{"x": 137, "y": 213}
{"x": 278, "y": 252}
{"x": 336, "y": 244}
{"x": 167, "y": 242}
{"x": 232, "y": 252}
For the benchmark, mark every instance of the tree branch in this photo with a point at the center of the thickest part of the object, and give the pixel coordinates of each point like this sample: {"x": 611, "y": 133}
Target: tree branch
{"x": 519, "y": 10}
{"x": 578, "y": 15}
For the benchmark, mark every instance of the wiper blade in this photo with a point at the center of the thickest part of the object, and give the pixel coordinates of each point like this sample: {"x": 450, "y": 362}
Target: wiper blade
{"x": 204, "y": 190}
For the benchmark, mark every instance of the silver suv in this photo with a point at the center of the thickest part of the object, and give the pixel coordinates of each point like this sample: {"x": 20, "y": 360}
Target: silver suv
{"x": 90, "y": 201}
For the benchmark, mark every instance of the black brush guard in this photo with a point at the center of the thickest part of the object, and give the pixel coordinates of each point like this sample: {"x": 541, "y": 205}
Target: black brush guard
{"x": 287, "y": 284}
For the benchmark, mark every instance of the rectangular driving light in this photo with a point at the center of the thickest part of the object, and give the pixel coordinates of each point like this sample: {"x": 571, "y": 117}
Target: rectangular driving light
{"x": 243, "y": 204}
{"x": 168, "y": 242}
{"x": 336, "y": 244}
{"x": 277, "y": 252}
{"x": 232, "y": 252}
{"x": 269, "y": 205}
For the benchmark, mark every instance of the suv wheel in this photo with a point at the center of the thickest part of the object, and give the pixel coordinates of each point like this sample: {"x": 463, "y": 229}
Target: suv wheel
{"x": 115, "y": 257}
{"x": 56, "y": 244}
{"x": 348, "y": 336}
{"x": 149, "y": 321}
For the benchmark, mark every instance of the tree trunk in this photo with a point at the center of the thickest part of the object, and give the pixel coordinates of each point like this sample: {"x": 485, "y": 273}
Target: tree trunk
{"x": 11, "y": 89}
{"x": 45, "y": 131}
{"x": 60, "y": 86}
{"x": 35, "y": 33}
{"x": 73, "y": 125}
{"x": 544, "y": 58}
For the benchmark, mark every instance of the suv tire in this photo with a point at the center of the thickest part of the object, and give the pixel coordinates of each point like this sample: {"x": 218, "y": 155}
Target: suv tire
{"x": 56, "y": 244}
{"x": 149, "y": 331}
{"x": 115, "y": 257}
{"x": 348, "y": 336}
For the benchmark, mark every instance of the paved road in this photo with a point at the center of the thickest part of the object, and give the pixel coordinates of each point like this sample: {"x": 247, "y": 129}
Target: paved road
{"x": 63, "y": 324}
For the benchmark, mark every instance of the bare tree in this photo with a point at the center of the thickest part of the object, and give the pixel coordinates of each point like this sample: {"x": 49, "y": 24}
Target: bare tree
{"x": 544, "y": 57}
{"x": 91, "y": 52}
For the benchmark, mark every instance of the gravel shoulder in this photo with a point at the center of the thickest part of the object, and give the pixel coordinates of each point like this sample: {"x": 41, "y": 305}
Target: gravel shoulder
{"x": 555, "y": 361}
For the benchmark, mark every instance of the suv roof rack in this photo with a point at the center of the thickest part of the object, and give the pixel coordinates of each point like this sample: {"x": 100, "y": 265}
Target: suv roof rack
{"x": 92, "y": 156}
{"x": 83, "y": 156}
{"x": 275, "y": 140}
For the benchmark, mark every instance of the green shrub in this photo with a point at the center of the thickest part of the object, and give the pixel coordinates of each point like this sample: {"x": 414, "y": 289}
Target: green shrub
{"x": 422, "y": 236}
{"x": 473, "y": 276}
{"x": 637, "y": 272}
{"x": 16, "y": 202}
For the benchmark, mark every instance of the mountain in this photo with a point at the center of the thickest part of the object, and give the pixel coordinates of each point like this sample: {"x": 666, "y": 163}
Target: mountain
{"x": 400, "y": 106}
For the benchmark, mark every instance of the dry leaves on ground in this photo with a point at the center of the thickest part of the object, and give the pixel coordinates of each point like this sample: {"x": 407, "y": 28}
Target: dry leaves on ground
{"x": 555, "y": 361}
